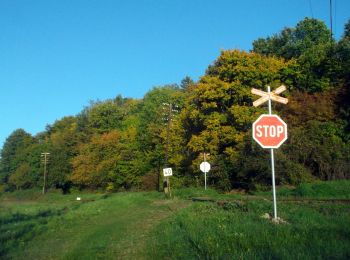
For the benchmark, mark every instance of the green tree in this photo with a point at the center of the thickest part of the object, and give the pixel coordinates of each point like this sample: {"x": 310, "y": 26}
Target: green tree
{"x": 12, "y": 153}
{"x": 310, "y": 43}
{"x": 186, "y": 83}
{"x": 108, "y": 161}
{"x": 62, "y": 144}
{"x": 343, "y": 56}
{"x": 21, "y": 177}
{"x": 319, "y": 147}
{"x": 103, "y": 117}
{"x": 219, "y": 112}
{"x": 152, "y": 136}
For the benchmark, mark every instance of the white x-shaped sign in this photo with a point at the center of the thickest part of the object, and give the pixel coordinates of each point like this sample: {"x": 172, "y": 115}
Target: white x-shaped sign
{"x": 265, "y": 96}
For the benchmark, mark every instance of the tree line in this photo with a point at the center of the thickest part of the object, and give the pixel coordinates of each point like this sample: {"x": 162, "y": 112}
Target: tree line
{"x": 123, "y": 143}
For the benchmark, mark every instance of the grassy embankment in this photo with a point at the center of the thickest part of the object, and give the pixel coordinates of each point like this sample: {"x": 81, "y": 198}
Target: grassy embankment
{"x": 318, "y": 226}
{"x": 99, "y": 226}
{"x": 146, "y": 225}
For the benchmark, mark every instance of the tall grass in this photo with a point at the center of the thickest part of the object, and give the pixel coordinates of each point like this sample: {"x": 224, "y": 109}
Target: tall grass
{"x": 319, "y": 190}
{"x": 25, "y": 214}
{"x": 99, "y": 226}
{"x": 146, "y": 225}
{"x": 236, "y": 229}
{"x": 210, "y": 231}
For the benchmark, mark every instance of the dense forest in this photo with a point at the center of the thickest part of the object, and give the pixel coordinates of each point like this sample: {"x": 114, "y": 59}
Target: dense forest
{"x": 123, "y": 143}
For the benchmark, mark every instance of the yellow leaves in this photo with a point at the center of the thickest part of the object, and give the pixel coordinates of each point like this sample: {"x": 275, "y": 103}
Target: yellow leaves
{"x": 243, "y": 116}
{"x": 209, "y": 105}
{"x": 207, "y": 140}
{"x": 214, "y": 120}
{"x": 211, "y": 89}
{"x": 251, "y": 69}
{"x": 220, "y": 109}
{"x": 232, "y": 153}
{"x": 96, "y": 159}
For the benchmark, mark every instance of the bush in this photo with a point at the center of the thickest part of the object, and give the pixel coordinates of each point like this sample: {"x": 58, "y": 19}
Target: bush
{"x": 149, "y": 181}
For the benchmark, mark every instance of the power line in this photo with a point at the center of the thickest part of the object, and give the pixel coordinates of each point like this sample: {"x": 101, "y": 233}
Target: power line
{"x": 335, "y": 17}
{"x": 311, "y": 10}
{"x": 331, "y": 17}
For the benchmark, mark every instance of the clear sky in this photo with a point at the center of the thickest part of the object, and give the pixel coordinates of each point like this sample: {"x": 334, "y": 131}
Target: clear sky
{"x": 57, "y": 55}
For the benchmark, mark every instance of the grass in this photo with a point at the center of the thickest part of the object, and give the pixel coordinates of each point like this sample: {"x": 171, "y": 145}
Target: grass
{"x": 236, "y": 230}
{"x": 57, "y": 226}
{"x": 211, "y": 231}
{"x": 26, "y": 214}
{"x": 145, "y": 225}
{"x": 339, "y": 189}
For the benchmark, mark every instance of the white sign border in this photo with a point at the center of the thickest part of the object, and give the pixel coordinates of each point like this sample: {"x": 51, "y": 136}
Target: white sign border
{"x": 275, "y": 146}
{"x": 205, "y": 168}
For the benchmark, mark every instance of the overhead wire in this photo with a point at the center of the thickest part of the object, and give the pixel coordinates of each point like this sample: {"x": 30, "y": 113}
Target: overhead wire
{"x": 331, "y": 17}
{"x": 335, "y": 17}
{"x": 310, "y": 5}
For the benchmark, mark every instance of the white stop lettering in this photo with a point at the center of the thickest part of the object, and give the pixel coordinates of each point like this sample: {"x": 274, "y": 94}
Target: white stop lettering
{"x": 269, "y": 131}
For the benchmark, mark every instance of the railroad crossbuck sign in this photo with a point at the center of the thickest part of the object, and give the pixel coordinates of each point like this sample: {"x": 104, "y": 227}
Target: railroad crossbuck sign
{"x": 270, "y": 131}
{"x": 273, "y": 95}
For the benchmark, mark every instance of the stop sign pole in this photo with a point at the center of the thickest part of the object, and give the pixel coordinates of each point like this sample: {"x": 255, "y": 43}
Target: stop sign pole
{"x": 268, "y": 96}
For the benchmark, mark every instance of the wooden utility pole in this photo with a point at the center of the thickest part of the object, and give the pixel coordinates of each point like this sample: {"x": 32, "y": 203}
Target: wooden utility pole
{"x": 45, "y": 160}
{"x": 169, "y": 114}
{"x": 168, "y": 110}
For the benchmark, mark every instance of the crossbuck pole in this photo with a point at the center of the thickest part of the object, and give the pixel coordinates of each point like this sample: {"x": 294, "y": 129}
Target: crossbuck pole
{"x": 272, "y": 165}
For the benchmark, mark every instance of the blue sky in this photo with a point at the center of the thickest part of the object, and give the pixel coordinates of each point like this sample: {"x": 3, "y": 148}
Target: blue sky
{"x": 56, "y": 56}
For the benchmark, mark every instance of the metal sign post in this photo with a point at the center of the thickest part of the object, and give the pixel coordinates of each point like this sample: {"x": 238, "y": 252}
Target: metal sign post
{"x": 272, "y": 165}
{"x": 205, "y": 172}
{"x": 205, "y": 167}
{"x": 275, "y": 131}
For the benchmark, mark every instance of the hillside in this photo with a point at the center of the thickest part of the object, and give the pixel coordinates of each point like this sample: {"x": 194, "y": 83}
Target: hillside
{"x": 123, "y": 143}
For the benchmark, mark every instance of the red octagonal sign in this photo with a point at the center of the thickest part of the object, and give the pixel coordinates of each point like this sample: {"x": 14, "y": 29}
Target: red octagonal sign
{"x": 270, "y": 131}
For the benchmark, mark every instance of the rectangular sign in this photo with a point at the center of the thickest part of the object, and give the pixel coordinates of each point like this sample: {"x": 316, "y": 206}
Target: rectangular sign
{"x": 167, "y": 172}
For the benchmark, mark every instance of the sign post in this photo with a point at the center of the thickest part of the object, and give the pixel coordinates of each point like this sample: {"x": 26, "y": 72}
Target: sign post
{"x": 167, "y": 172}
{"x": 270, "y": 131}
{"x": 205, "y": 167}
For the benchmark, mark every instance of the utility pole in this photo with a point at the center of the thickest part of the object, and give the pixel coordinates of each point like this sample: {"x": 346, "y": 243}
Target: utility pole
{"x": 168, "y": 110}
{"x": 168, "y": 116}
{"x": 45, "y": 160}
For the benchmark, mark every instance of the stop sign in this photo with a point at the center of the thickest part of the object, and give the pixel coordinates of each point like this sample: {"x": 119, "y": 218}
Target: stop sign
{"x": 270, "y": 131}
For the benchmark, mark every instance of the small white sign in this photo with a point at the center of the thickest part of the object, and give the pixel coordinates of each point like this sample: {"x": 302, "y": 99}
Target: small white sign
{"x": 205, "y": 167}
{"x": 167, "y": 172}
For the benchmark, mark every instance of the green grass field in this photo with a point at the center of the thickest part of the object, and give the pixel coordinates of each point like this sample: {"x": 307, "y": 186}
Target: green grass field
{"x": 146, "y": 225}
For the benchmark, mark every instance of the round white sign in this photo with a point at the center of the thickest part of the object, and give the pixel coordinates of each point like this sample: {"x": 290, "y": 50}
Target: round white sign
{"x": 205, "y": 167}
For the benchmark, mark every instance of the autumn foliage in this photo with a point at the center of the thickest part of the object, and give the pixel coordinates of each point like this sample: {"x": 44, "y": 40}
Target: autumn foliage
{"x": 123, "y": 143}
